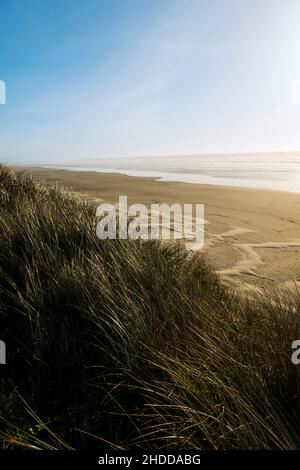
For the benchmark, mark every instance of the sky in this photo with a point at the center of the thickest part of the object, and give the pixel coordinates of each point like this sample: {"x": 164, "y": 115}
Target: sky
{"x": 89, "y": 79}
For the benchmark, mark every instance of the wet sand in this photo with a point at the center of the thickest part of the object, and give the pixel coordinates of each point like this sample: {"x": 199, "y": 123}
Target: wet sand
{"x": 252, "y": 236}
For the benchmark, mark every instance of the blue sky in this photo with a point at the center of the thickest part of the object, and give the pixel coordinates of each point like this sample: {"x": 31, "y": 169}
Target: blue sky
{"x": 110, "y": 78}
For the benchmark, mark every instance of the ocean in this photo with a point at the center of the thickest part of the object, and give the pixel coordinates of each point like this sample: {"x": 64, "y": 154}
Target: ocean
{"x": 273, "y": 171}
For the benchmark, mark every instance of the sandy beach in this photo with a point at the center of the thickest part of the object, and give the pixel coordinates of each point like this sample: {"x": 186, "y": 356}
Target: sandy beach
{"x": 252, "y": 236}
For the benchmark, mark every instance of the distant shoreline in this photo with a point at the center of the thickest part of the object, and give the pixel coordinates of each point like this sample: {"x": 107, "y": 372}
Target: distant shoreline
{"x": 277, "y": 173}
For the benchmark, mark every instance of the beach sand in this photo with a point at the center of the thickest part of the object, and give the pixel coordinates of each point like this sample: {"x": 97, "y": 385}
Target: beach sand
{"x": 252, "y": 236}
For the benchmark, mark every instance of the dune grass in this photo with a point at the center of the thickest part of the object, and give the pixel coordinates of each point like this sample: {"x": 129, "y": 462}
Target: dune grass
{"x": 120, "y": 344}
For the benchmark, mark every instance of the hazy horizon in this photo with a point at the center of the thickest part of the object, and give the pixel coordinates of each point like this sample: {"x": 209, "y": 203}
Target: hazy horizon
{"x": 129, "y": 158}
{"x": 277, "y": 171}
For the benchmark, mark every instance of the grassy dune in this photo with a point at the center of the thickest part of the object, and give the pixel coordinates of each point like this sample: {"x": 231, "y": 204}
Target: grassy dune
{"x": 121, "y": 344}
